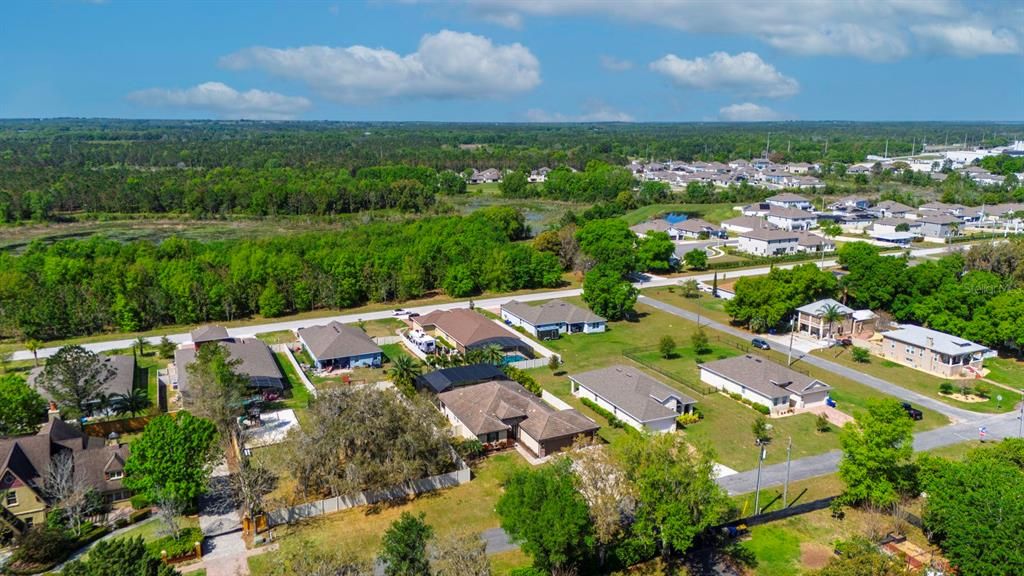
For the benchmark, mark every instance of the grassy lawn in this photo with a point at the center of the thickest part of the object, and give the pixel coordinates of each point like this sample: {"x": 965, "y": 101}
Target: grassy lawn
{"x": 711, "y": 212}
{"x": 277, "y": 337}
{"x": 683, "y": 363}
{"x": 150, "y": 530}
{"x": 708, "y": 306}
{"x": 1008, "y": 371}
{"x": 915, "y": 380}
{"x": 469, "y": 507}
{"x": 776, "y": 548}
{"x": 504, "y": 563}
{"x": 296, "y": 395}
{"x": 384, "y": 327}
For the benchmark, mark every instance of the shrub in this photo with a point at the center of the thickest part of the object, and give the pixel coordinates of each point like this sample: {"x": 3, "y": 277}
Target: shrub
{"x": 42, "y": 545}
{"x": 139, "y": 501}
{"x": 178, "y": 547}
{"x": 468, "y": 449}
{"x": 982, "y": 390}
{"x": 633, "y": 551}
{"x": 946, "y": 388}
{"x": 822, "y": 424}
{"x": 667, "y": 346}
{"x": 527, "y": 571}
{"x": 762, "y": 409}
{"x": 687, "y": 419}
{"x": 701, "y": 342}
{"x": 553, "y": 362}
{"x": 860, "y": 355}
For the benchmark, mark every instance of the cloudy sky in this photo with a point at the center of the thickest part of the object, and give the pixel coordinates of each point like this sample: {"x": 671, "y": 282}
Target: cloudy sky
{"x": 515, "y": 60}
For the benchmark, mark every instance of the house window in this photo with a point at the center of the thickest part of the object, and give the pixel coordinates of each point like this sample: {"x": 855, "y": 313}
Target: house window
{"x": 115, "y": 475}
{"x": 492, "y": 437}
{"x": 11, "y": 498}
{"x": 29, "y": 522}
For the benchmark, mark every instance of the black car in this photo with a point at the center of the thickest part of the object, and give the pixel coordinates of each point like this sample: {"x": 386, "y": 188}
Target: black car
{"x": 914, "y": 413}
{"x": 760, "y": 343}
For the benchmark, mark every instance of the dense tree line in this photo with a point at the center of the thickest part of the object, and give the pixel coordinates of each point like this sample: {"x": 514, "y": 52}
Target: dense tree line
{"x": 77, "y": 287}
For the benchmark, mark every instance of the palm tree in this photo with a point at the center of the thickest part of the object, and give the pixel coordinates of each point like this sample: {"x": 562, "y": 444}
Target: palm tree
{"x": 492, "y": 354}
{"x": 403, "y": 371}
{"x": 33, "y": 346}
{"x": 135, "y": 401}
{"x": 140, "y": 345}
{"x": 831, "y": 314}
{"x": 474, "y": 356}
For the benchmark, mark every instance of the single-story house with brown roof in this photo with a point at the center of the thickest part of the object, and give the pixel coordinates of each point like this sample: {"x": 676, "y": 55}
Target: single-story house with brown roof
{"x": 25, "y": 460}
{"x": 633, "y": 397}
{"x": 501, "y": 412}
{"x": 552, "y": 318}
{"x": 339, "y": 346}
{"x": 762, "y": 381}
{"x": 468, "y": 330}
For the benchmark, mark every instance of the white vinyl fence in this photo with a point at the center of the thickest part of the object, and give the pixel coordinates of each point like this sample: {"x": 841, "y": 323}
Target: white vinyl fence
{"x": 554, "y": 401}
{"x": 329, "y": 505}
{"x": 532, "y": 363}
{"x": 387, "y": 340}
{"x": 295, "y": 364}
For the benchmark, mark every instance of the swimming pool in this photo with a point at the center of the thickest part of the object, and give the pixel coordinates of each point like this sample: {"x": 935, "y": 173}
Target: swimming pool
{"x": 513, "y": 358}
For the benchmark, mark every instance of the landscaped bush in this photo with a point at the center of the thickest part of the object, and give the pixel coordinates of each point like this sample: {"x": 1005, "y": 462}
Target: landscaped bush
{"x": 982, "y": 390}
{"x": 860, "y": 355}
{"x": 468, "y": 449}
{"x": 612, "y": 420}
{"x": 139, "y": 501}
{"x": 42, "y": 545}
{"x": 183, "y": 545}
{"x": 946, "y": 388}
{"x": 688, "y": 419}
{"x": 761, "y": 408}
{"x": 633, "y": 551}
{"x": 822, "y": 424}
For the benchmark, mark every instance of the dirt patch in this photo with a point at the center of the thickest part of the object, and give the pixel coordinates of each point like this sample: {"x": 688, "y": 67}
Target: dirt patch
{"x": 814, "y": 555}
{"x": 970, "y": 398}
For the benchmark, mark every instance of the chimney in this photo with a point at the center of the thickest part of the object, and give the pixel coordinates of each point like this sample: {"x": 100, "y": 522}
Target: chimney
{"x": 114, "y": 440}
{"x": 930, "y": 341}
{"x": 53, "y": 414}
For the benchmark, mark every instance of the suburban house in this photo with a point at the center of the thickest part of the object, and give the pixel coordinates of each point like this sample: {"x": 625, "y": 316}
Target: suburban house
{"x": 633, "y": 397}
{"x": 851, "y": 203}
{"x": 939, "y": 227}
{"x": 747, "y": 223}
{"x": 467, "y": 330}
{"x": 932, "y": 351}
{"x": 255, "y": 359}
{"x": 696, "y": 228}
{"x": 209, "y": 333}
{"x": 485, "y": 176}
{"x": 891, "y": 209}
{"x": 657, "y": 225}
{"x": 765, "y": 382}
{"x": 811, "y": 319}
{"x": 759, "y": 209}
{"x": 447, "y": 379}
{"x": 551, "y": 319}
{"x": 890, "y": 225}
{"x": 791, "y": 218}
{"x": 500, "y": 413}
{"x": 121, "y": 382}
{"x": 807, "y": 242}
{"x": 768, "y": 242}
{"x": 25, "y": 460}
{"x": 336, "y": 345}
{"x": 538, "y": 175}
{"x": 788, "y": 200}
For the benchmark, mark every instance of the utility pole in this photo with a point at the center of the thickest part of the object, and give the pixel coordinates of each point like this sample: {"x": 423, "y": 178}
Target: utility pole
{"x": 886, "y": 155}
{"x": 789, "y": 360}
{"x": 757, "y": 487}
{"x": 1020, "y": 431}
{"x": 785, "y": 487}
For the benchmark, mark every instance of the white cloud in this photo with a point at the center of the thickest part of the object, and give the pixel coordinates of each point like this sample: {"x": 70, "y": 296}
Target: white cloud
{"x": 966, "y": 40}
{"x": 445, "y": 65}
{"x": 225, "y": 101}
{"x": 748, "y": 112}
{"x": 614, "y": 64}
{"x": 874, "y": 30}
{"x": 744, "y": 73}
{"x": 592, "y": 112}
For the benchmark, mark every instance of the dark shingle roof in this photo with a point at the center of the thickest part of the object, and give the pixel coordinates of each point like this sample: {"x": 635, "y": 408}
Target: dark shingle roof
{"x": 448, "y": 378}
{"x": 122, "y": 381}
{"x": 336, "y": 340}
{"x": 632, "y": 391}
{"x": 464, "y": 325}
{"x": 481, "y": 408}
{"x": 257, "y": 362}
{"x": 211, "y": 333}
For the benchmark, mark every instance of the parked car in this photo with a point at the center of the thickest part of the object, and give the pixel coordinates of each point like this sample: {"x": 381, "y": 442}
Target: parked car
{"x": 760, "y": 343}
{"x": 413, "y": 314}
{"x": 830, "y": 402}
{"x": 914, "y": 413}
{"x": 846, "y": 341}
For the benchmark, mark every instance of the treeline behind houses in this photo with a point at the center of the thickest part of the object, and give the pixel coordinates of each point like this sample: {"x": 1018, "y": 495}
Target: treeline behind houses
{"x": 77, "y": 287}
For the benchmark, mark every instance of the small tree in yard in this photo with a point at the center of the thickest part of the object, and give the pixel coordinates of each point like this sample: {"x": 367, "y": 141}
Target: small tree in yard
{"x": 667, "y": 346}
{"x": 861, "y": 355}
{"x": 690, "y": 289}
{"x": 762, "y": 430}
{"x": 946, "y": 388}
{"x": 822, "y": 424}
{"x": 700, "y": 341}
{"x": 696, "y": 259}
{"x": 460, "y": 555}
{"x": 877, "y": 448}
{"x": 404, "y": 547}
{"x": 553, "y": 362}
{"x": 251, "y": 485}
{"x": 216, "y": 389}
{"x": 982, "y": 389}
{"x": 68, "y": 490}
{"x": 172, "y": 459}
{"x": 21, "y": 407}
{"x": 166, "y": 348}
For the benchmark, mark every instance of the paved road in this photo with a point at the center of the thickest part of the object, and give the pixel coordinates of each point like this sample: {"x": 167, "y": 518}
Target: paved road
{"x": 119, "y": 344}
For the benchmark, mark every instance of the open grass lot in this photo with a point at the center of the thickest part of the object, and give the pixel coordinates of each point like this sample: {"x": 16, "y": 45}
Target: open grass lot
{"x": 727, "y": 423}
{"x": 1008, "y": 371}
{"x": 469, "y": 507}
{"x": 708, "y": 306}
{"x": 539, "y": 212}
{"x": 711, "y": 212}
{"x": 915, "y": 380}
{"x": 502, "y": 564}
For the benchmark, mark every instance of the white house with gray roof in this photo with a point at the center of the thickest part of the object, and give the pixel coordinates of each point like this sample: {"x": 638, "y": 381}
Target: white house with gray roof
{"x": 340, "y": 346}
{"x": 551, "y": 319}
{"x": 932, "y": 351}
{"x": 633, "y": 397}
{"x": 789, "y": 200}
{"x": 762, "y": 381}
{"x": 766, "y": 242}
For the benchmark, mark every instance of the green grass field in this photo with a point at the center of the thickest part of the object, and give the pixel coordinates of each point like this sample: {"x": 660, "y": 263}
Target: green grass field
{"x": 714, "y": 213}
{"x": 1008, "y": 371}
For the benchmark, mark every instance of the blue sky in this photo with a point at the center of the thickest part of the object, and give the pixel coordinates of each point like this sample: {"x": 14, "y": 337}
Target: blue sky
{"x": 512, "y": 61}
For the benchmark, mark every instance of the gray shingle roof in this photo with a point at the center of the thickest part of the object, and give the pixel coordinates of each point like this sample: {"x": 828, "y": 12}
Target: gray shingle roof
{"x": 750, "y": 222}
{"x": 550, "y": 312}
{"x": 769, "y": 235}
{"x": 934, "y": 340}
{"x": 336, "y": 340}
{"x": 464, "y": 325}
{"x": 482, "y": 407}
{"x": 631, "y": 391}
{"x": 256, "y": 362}
{"x": 209, "y": 333}
{"x": 818, "y": 308}
{"x": 787, "y": 197}
{"x": 121, "y": 382}
{"x": 764, "y": 376}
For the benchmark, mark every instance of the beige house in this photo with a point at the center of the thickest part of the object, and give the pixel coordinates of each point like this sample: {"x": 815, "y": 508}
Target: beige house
{"x": 932, "y": 351}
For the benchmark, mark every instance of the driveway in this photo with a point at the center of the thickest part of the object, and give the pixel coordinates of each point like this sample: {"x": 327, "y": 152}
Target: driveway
{"x": 224, "y": 551}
